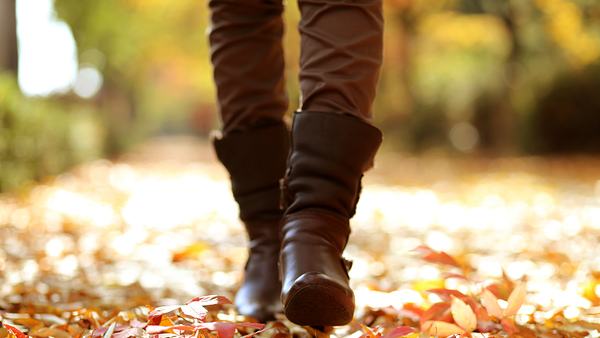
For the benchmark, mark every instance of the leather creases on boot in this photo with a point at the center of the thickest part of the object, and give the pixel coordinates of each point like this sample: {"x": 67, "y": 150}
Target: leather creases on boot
{"x": 255, "y": 159}
{"x": 330, "y": 152}
{"x": 258, "y": 296}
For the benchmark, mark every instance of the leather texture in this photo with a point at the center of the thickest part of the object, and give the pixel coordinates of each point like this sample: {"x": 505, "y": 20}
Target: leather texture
{"x": 333, "y": 144}
{"x": 329, "y": 154}
{"x": 256, "y": 160}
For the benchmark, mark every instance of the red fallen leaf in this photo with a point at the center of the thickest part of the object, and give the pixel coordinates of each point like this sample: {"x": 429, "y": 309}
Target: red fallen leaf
{"x": 129, "y": 332}
{"x": 14, "y": 331}
{"x": 446, "y": 294}
{"x": 480, "y": 312}
{"x": 226, "y": 329}
{"x": 433, "y": 256}
{"x": 503, "y": 288}
{"x": 209, "y": 300}
{"x": 194, "y": 310}
{"x": 399, "y": 331}
{"x": 509, "y": 326}
{"x": 411, "y": 311}
{"x": 154, "y": 329}
{"x": 155, "y": 315}
{"x": 137, "y": 323}
{"x": 438, "y": 312}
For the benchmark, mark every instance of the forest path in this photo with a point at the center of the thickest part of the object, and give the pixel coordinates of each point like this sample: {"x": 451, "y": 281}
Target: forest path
{"x": 159, "y": 226}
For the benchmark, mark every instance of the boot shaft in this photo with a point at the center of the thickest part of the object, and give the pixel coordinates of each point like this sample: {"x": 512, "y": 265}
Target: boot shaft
{"x": 255, "y": 160}
{"x": 329, "y": 154}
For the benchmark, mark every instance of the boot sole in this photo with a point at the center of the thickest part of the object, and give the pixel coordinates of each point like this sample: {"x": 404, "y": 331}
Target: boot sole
{"x": 315, "y": 300}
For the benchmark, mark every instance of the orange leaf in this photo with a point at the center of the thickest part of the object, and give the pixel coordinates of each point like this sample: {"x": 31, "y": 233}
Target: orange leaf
{"x": 209, "y": 300}
{"x": 14, "y": 331}
{"x": 515, "y": 300}
{"x": 463, "y": 315}
{"x": 490, "y": 302}
{"x": 193, "y": 251}
{"x": 447, "y": 294}
{"x": 509, "y": 326}
{"x": 433, "y": 256}
{"x": 399, "y": 331}
{"x": 437, "y": 311}
{"x": 440, "y": 329}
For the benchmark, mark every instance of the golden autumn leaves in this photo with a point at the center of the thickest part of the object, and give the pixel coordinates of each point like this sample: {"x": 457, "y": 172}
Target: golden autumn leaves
{"x": 465, "y": 319}
{"x": 460, "y": 314}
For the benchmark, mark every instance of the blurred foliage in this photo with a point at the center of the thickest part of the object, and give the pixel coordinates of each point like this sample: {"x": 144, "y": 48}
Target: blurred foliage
{"x": 487, "y": 67}
{"x": 153, "y": 59}
{"x": 42, "y": 137}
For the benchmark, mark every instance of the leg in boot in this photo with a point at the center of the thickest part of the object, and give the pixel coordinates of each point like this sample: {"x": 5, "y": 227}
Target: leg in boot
{"x": 255, "y": 160}
{"x": 329, "y": 154}
{"x": 247, "y": 57}
{"x": 333, "y": 144}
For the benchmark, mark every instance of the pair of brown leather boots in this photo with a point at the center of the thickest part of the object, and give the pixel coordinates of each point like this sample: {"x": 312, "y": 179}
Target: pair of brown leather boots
{"x": 298, "y": 225}
{"x": 295, "y": 262}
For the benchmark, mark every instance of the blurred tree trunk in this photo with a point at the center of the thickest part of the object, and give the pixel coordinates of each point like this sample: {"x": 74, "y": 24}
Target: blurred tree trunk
{"x": 9, "y": 57}
{"x": 505, "y": 121}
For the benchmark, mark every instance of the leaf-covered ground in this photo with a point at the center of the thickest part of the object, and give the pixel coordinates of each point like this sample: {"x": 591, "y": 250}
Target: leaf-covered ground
{"x": 136, "y": 247}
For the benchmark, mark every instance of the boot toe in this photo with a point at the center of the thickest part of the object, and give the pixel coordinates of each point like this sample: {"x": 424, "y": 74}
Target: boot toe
{"x": 317, "y": 300}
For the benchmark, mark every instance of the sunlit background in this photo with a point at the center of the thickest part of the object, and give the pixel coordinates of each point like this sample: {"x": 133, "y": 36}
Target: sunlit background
{"x": 112, "y": 197}
{"x": 460, "y": 77}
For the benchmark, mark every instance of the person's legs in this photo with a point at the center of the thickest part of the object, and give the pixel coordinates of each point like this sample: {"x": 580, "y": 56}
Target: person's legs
{"x": 333, "y": 144}
{"x": 341, "y": 53}
{"x": 247, "y": 57}
{"x": 248, "y": 63}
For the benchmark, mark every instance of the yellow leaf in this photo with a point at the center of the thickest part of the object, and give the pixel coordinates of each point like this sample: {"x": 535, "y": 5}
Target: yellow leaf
{"x": 49, "y": 332}
{"x": 515, "y": 300}
{"x": 490, "y": 302}
{"x": 441, "y": 329}
{"x": 463, "y": 315}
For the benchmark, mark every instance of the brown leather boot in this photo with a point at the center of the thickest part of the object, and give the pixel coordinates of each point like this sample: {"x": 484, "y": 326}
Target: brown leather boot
{"x": 330, "y": 152}
{"x": 255, "y": 160}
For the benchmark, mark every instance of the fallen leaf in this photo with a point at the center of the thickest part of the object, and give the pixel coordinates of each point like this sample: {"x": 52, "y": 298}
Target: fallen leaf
{"x": 109, "y": 332}
{"x": 447, "y": 294}
{"x": 433, "y": 256}
{"x": 14, "y": 331}
{"x": 515, "y": 300}
{"x": 193, "y": 251}
{"x": 509, "y": 326}
{"x": 463, "y": 315}
{"x": 153, "y": 329}
{"x": 209, "y": 300}
{"x": 399, "y": 331}
{"x": 442, "y": 329}
{"x": 49, "y": 332}
{"x": 490, "y": 302}
{"x": 155, "y": 315}
{"x": 194, "y": 310}
{"x": 130, "y": 332}
{"x": 437, "y": 311}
